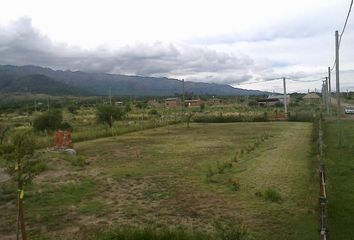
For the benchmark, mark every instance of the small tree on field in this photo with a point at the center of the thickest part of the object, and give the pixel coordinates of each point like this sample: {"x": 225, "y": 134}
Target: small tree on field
{"x": 108, "y": 114}
{"x": 189, "y": 116}
{"x": 72, "y": 108}
{"x": 50, "y": 120}
{"x": 22, "y": 165}
{"x": 4, "y": 128}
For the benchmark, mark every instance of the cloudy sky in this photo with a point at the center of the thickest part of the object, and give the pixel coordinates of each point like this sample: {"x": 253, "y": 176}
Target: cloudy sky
{"x": 236, "y": 42}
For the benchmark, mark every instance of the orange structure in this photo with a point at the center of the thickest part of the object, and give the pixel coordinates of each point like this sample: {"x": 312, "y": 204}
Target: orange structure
{"x": 63, "y": 140}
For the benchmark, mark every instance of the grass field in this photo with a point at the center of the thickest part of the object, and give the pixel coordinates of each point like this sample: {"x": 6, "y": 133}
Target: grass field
{"x": 340, "y": 179}
{"x": 260, "y": 174}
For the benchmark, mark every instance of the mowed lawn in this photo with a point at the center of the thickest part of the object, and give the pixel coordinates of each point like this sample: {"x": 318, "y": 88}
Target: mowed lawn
{"x": 158, "y": 178}
{"x": 340, "y": 180}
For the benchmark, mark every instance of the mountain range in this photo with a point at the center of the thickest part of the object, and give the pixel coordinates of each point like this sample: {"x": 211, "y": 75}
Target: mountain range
{"x": 35, "y": 79}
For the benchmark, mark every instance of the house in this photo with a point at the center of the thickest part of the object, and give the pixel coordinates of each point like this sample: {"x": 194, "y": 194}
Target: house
{"x": 172, "y": 102}
{"x": 311, "y": 98}
{"x": 192, "y": 103}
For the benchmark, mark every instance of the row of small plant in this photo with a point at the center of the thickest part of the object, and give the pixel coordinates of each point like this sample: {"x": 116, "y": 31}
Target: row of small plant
{"x": 229, "y": 229}
{"x": 210, "y": 118}
{"x": 221, "y": 168}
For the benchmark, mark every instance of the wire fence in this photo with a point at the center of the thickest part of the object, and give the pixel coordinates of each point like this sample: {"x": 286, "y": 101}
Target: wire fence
{"x": 323, "y": 192}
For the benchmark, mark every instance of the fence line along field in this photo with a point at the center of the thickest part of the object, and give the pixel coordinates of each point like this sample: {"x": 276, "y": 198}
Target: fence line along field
{"x": 258, "y": 176}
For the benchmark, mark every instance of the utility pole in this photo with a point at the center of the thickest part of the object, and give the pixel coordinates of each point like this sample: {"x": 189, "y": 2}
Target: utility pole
{"x": 285, "y": 98}
{"x": 110, "y": 96}
{"x": 183, "y": 95}
{"x": 327, "y": 96}
{"x": 329, "y": 87}
{"x": 338, "y": 90}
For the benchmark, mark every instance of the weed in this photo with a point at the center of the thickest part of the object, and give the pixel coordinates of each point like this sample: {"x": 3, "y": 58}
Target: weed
{"x": 210, "y": 173}
{"x": 235, "y": 184}
{"x": 271, "y": 195}
{"x": 231, "y": 230}
{"x": 75, "y": 160}
{"x": 92, "y": 207}
{"x": 258, "y": 194}
{"x": 130, "y": 233}
{"x": 222, "y": 167}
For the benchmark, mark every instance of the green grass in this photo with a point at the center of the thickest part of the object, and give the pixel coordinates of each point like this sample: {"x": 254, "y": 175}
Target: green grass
{"x": 340, "y": 180}
{"x": 157, "y": 177}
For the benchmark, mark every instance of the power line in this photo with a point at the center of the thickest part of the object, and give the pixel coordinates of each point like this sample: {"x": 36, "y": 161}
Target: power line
{"x": 261, "y": 81}
{"x": 273, "y": 79}
{"x": 346, "y": 21}
{"x": 343, "y": 30}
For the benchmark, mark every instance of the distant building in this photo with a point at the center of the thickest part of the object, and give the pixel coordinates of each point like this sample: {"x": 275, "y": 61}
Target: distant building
{"x": 154, "y": 103}
{"x": 280, "y": 98}
{"x": 214, "y": 101}
{"x": 172, "y": 102}
{"x": 273, "y": 100}
{"x": 194, "y": 102}
{"x": 311, "y": 98}
{"x": 267, "y": 101}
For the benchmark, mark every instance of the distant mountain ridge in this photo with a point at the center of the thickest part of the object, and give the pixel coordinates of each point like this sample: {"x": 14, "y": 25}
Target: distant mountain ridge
{"x": 38, "y": 83}
{"x": 83, "y": 83}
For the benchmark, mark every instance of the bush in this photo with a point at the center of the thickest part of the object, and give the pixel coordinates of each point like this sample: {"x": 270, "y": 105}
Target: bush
{"x": 72, "y": 108}
{"x": 153, "y": 112}
{"x": 65, "y": 126}
{"x": 50, "y": 120}
{"x": 302, "y": 116}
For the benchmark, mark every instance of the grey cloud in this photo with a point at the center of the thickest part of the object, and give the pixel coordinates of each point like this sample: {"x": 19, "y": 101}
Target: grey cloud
{"x": 304, "y": 26}
{"x": 22, "y": 44}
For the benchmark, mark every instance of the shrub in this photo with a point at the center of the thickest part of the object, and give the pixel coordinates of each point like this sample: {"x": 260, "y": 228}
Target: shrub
{"x": 50, "y": 120}
{"x": 302, "y": 116}
{"x": 65, "y": 126}
{"x": 72, "y": 108}
{"x": 153, "y": 112}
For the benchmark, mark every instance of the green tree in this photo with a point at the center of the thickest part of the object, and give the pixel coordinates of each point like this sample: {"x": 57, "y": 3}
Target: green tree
{"x": 4, "y": 128}
{"x": 72, "y": 108}
{"x": 50, "y": 120}
{"x": 108, "y": 114}
{"x": 22, "y": 165}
